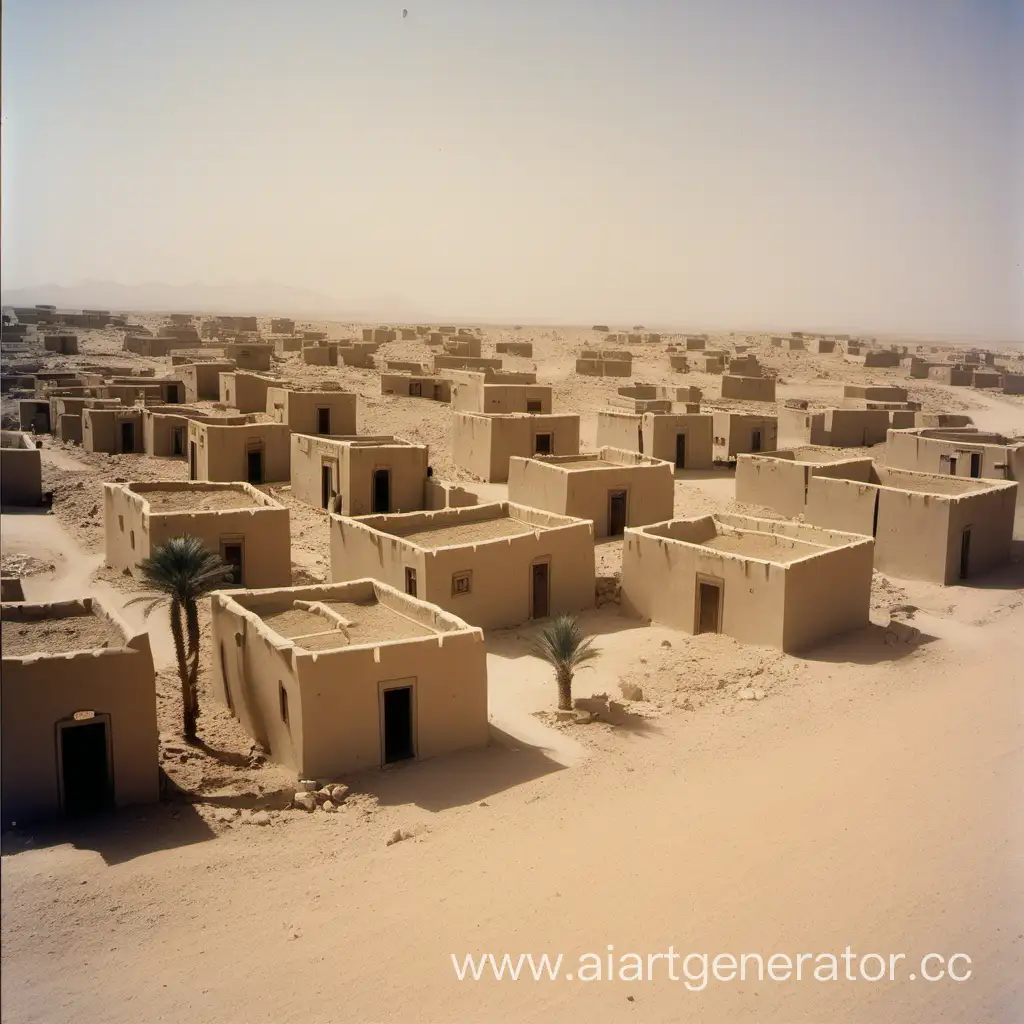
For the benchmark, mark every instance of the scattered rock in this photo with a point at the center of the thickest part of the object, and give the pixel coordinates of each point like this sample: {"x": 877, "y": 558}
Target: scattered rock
{"x": 584, "y": 717}
{"x": 225, "y": 814}
{"x": 257, "y": 818}
{"x": 631, "y": 691}
{"x": 323, "y": 795}
{"x": 666, "y": 643}
{"x": 564, "y": 716}
{"x": 304, "y": 800}
{"x": 339, "y": 793}
{"x": 398, "y": 836}
{"x": 329, "y": 807}
{"x": 749, "y": 693}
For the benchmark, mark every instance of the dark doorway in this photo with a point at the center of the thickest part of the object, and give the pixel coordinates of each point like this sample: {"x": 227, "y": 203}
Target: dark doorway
{"x": 952, "y": 465}
{"x": 415, "y": 389}
{"x": 616, "y": 513}
{"x": 178, "y": 441}
{"x": 192, "y": 458}
{"x": 398, "y": 744}
{"x": 975, "y": 465}
{"x": 541, "y": 591}
{"x": 755, "y": 441}
{"x": 254, "y": 466}
{"x": 85, "y": 767}
{"x": 965, "y": 553}
{"x": 173, "y": 395}
{"x": 323, "y": 421}
{"x": 532, "y": 406}
{"x": 232, "y": 555}
{"x": 438, "y": 393}
{"x": 127, "y": 437}
{"x": 680, "y": 451}
{"x": 640, "y": 439}
{"x": 410, "y": 582}
{"x": 381, "y": 491}
{"x": 709, "y": 601}
{"x": 326, "y": 487}
{"x": 542, "y": 444}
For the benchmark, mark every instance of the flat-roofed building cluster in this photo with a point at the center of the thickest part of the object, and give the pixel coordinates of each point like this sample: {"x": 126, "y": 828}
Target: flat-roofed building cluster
{"x": 257, "y": 453}
{"x": 683, "y": 439}
{"x": 605, "y": 363}
{"x": 499, "y": 392}
{"x": 494, "y": 565}
{"x": 773, "y": 582}
{"x": 247, "y": 528}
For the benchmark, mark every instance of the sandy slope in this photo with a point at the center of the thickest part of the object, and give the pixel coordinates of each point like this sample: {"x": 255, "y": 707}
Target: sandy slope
{"x": 871, "y": 799}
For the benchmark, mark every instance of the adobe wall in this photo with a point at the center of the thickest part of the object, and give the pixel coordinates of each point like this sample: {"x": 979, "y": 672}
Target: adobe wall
{"x": 918, "y": 533}
{"x": 21, "y": 470}
{"x": 40, "y": 692}
{"x": 881, "y": 358}
{"x": 300, "y": 409}
{"x": 65, "y": 344}
{"x": 34, "y": 415}
{"x": 320, "y": 355}
{"x": 246, "y": 392}
{"x": 445, "y": 362}
{"x": 659, "y": 583}
{"x": 955, "y": 376}
{"x": 617, "y": 429}
{"x": 334, "y": 700}
{"x": 479, "y": 396}
{"x": 1013, "y": 383}
{"x": 755, "y": 389}
{"x": 159, "y": 428}
{"x": 221, "y": 450}
{"x": 734, "y": 433}
{"x": 584, "y": 493}
{"x": 855, "y": 428}
{"x": 438, "y": 495}
{"x": 69, "y": 428}
{"x": 778, "y": 481}
{"x": 435, "y": 388}
{"x": 101, "y": 430}
{"x": 202, "y": 380}
{"x": 660, "y": 432}
{"x": 986, "y": 379}
{"x": 482, "y": 445}
{"x": 515, "y": 348}
{"x": 500, "y": 586}
{"x": 133, "y": 531}
{"x": 604, "y": 367}
{"x": 249, "y": 357}
{"x": 874, "y": 393}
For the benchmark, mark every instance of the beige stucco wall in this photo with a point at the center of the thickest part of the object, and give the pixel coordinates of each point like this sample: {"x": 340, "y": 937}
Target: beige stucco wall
{"x": 246, "y": 392}
{"x": 41, "y": 691}
{"x": 435, "y": 388}
{"x": 158, "y": 430}
{"x": 875, "y": 392}
{"x": 300, "y": 409}
{"x": 604, "y": 367}
{"x": 584, "y": 492}
{"x": 479, "y": 396}
{"x": 353, "y": 463}
{"x": 202, "y": 380}
{"x": 101, "y": 430}
{"x": 248, "y": 356}
{"x": 21, "y": 470}
{"x": 826, "y": 591}
{"x": 133, "y": 531}
{"x": 334, "y": 696}
{"x": 446, "y": 362}
{"x": 483, "y": 444}
{"x": 777, "y": 480}
{"x": 734, "y": 432}
{"x": 918, "y": 531}
{"x": 500, "y": 593}
{"x": 221, "y": 450}
{"x": 755, "y": 389}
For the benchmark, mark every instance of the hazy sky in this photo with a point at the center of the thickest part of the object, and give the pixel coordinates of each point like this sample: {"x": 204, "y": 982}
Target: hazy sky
{"x": 825, "y": 163}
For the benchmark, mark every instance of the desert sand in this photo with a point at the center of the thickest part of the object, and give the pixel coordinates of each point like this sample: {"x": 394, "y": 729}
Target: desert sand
{"x": 863, "y": 795}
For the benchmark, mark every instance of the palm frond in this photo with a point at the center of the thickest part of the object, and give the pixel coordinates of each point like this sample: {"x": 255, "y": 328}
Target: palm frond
{"x": 150, "y": 600}
{"x": 563, "y": 644}
{"x": 183, "y": 568}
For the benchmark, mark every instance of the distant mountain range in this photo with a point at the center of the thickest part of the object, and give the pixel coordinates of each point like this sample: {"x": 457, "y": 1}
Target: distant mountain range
{"x": 260, "y": 299}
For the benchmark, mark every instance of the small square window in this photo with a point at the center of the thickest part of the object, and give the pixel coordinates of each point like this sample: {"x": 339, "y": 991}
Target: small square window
{"x": 461, "y": 583}
{"x": 532, "y": 406}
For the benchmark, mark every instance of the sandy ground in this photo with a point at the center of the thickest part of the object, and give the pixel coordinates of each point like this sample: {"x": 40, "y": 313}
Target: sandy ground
{"x": 868, "y": 795}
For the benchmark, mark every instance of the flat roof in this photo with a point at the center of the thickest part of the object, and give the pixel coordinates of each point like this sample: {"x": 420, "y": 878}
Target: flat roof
{"x": 359, "y": 623}
{"x": 469, "y": 532}
{"x": 59, "y": 634}
{"x": 186, "y": 498}
{"x": 767, "y": 546}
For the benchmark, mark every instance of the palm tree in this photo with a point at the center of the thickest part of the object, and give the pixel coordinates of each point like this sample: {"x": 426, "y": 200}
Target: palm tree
{"x": 564, "y": 647}
{"x": 184, "y": 571}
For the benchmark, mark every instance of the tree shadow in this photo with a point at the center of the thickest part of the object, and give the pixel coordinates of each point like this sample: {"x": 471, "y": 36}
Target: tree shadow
{"x": 456, "y": 780}
{"x": 117, "y": 836}
{"x": 617, "y": 714}
{"x": 871, "y": 645}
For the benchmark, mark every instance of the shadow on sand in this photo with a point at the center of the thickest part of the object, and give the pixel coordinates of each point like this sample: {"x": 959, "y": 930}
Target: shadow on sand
{"x": 871, "y": 645}
{"x": 1005, "y": 577}
{"x": 460, "y": 779}
{"x": 517, "y": 642}
{"x": 119, "y": 836}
